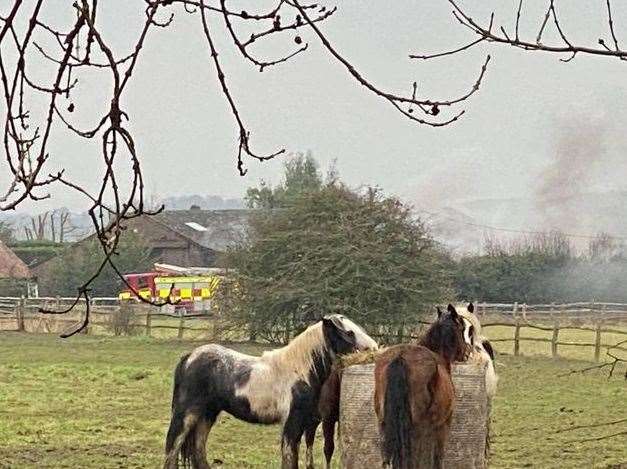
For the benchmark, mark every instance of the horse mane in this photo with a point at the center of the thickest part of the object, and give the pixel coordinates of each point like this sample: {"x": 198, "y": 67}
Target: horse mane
{"x": 462, "y": 310}
{"x": 444, "y": 338}
{"x": 299, "y": 354}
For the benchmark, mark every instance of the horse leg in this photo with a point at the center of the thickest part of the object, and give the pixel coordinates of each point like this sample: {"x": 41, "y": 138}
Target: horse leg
{"x": 290, "y": 441}
{"x": 199, "y": 455}
{"x": 441, "y": 436}
{"x": 328, "y": 431}
{"x": 310, "y": 435}
{"x": 180, "y": 426}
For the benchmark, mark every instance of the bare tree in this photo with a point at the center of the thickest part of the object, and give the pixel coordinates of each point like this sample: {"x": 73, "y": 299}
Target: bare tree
{"x": 27, "y": 38}
{"x": 37, "y": 230}
{"x": 490, "y": 32}
{"x": 60, "y": 225}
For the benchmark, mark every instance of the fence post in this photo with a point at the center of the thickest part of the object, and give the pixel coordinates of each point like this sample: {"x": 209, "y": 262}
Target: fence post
{"x": 556, "y": 330}
{"x": 19, "y": 314}
{"x": 148, "y": 322}
{"x": 524, "y": 311}
{"x": 181, "y": 324}
{"x": 597, "y": 342}
{"x": 515, "y": 310}
{"x": 517, "y": 339}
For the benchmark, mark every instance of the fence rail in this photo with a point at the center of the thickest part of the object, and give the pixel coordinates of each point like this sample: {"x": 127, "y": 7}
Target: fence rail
{"x": 22, "y": 314}
{"x": 555, "y": 342}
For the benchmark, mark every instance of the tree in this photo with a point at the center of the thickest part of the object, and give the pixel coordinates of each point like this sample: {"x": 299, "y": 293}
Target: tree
{"x": 7, "y": 235}
{"x": 526, "y": 270}
{"x": 337, "y": 250}
{"x": 543, "y": 269}
{"x": 73, "y": 267}
{"x": 301, "y": 176}
{"x": 80, "y": 51}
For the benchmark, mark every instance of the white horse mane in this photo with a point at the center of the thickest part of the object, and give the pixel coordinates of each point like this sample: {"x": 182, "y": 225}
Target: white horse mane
{"x": 298, "y": 355}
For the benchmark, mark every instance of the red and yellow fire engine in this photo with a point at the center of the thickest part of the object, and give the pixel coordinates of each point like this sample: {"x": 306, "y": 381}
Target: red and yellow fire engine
{"x": 189, "y": 288}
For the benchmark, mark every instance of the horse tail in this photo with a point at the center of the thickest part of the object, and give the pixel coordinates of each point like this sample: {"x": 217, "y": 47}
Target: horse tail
{"x": 398, "y": 430}
{"x": 178, "y": 439}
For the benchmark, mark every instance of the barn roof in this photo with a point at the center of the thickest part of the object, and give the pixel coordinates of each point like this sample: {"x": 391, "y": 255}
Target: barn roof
{"x": 12, "y": 266}
{"x": 212, "y": 229}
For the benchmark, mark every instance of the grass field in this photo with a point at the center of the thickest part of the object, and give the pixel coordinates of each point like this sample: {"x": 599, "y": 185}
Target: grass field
{"x": 98, "y": 402}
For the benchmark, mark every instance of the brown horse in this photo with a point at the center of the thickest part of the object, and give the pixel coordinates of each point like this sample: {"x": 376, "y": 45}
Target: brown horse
{"x": 444, "y": 337}
{"x": 414, "y": 394}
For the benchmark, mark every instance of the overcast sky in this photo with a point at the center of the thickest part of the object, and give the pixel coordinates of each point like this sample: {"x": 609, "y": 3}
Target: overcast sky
{"x": 502, "y": 147}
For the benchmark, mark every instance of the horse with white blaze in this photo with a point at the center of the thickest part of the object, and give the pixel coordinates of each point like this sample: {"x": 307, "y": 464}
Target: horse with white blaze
{"x": 280, "y": 386}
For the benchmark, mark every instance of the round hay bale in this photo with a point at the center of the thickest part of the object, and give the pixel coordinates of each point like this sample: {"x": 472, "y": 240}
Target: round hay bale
{"x": 359, "y": 432}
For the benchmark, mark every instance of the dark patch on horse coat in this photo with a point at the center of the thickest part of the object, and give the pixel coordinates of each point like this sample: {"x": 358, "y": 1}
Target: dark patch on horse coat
{"x": 210, "y": 383}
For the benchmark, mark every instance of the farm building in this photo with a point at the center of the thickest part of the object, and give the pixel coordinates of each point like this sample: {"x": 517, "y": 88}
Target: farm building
{"x": 16, "y": 278}
{"x": 185, "y": 238}
{"x": 194, "y": 237}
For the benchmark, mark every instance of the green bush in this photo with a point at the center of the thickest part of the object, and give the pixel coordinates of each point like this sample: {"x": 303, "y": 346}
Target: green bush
{"x": 334, "y": 250}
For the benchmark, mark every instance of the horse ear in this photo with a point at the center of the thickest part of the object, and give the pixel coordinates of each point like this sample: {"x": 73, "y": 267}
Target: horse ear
{"x": 451, "y": 309}
{"x": 470, "y": 308}
{"x": 439, "y": 311}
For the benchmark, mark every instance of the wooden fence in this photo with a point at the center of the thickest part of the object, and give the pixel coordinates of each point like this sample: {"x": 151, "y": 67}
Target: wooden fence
{"x": 109, "y": 317}
{"x": 555, "y": 341}
{"x": 574, "y": 312}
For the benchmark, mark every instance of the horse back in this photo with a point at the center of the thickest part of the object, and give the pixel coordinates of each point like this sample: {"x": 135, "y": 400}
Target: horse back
{"x": 421, "y": 368}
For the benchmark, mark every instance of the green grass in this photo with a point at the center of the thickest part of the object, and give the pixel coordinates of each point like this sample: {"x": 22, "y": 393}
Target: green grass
{"x": 98, "y": 402}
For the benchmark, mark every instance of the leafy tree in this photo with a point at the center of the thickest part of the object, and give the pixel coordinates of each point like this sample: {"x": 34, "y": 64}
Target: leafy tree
{"x": 335, "y": 250}
{"x": 525, "y": 270}
{"x": 301, "y": 176}
{"x": 544, "y": 269}
{"x": 79, "y": 261}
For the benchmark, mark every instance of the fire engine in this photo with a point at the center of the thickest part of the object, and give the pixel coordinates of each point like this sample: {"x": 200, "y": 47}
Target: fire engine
{"x": 188, "y": 288}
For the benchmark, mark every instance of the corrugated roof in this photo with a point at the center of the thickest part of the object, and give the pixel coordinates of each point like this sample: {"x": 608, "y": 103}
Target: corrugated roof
{"x": 12, "y": 266}
{"x": 213, "y": 229}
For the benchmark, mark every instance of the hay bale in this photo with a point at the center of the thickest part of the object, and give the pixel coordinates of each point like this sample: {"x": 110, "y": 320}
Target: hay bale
{"x": 359, "y": 433}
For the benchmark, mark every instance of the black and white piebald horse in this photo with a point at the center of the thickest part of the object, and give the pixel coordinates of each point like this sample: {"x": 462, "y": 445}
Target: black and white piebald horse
{"x": 481, "y": 349}
{"x": 481, "y": 352}
{"x": 280, "y": 386}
